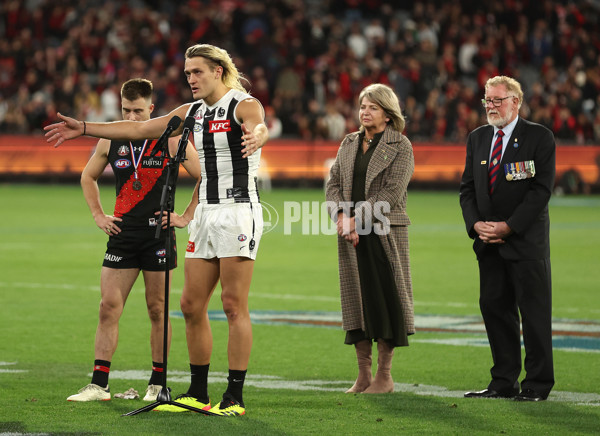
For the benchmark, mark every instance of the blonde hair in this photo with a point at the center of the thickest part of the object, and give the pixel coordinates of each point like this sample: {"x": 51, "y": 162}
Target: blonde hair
{"x": 511, "y": 85}
{"x": 385, "y": 97}
{"x": 217, "y": 57}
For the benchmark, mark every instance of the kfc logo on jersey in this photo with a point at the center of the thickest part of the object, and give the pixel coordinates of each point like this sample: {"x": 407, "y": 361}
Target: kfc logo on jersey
{"x": 162, "y": 252}
{"x": 123, "y": 163}
{"x": 123, "y": 151}
{"x": 217, "y": 126}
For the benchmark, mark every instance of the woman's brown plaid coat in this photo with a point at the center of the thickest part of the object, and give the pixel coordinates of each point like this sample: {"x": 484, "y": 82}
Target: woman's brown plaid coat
{"x": 388, "y": 174}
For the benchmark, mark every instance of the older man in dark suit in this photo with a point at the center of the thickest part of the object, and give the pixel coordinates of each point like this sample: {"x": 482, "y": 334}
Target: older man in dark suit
{"x": 504, "y": 193}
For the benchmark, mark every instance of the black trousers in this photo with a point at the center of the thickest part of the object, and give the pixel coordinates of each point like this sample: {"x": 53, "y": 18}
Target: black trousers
{"x": 509, "y": 288}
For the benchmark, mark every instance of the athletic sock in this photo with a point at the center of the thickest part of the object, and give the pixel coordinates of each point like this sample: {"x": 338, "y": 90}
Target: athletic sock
{"x": 236, "y": 385}
{"x": 198, "y": 386}
{"x": 100, "y": 374}
{"x": 158, "y": 369}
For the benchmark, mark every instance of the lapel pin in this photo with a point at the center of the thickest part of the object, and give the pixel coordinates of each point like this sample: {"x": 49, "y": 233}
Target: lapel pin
{"x": 516, "y": 144}
{"x": 484, "y": 162}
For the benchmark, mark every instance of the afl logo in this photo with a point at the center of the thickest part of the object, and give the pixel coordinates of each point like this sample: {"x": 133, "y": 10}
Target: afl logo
{"x": 123, "y": 163}
{"x": 161, "y": 253}
{"x": 242, "y": 237}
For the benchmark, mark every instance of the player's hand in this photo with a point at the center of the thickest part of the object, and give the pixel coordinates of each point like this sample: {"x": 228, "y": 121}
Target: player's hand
{"x": 68, "y": 128}
{"x": 249, "y": 141}
{"x": 108, "y": 224}
{"x": 175, "y": 220}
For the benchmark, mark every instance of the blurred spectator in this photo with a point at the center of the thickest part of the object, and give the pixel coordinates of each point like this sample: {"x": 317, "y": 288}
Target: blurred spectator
{"x": 273, "y": 123}
{"x": 69, "y": 56}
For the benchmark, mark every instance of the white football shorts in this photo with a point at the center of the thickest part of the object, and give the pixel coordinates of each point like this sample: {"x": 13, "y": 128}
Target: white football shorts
{"x": 225, "y": 230}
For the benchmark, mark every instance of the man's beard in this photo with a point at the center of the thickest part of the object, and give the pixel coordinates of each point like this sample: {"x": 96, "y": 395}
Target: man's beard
{"x": 498, "y": 121}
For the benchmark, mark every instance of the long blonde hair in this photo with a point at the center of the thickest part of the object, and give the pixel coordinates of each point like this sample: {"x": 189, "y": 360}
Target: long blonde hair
{"x": 217, "y": 57}
{"x": 385, "y": 97}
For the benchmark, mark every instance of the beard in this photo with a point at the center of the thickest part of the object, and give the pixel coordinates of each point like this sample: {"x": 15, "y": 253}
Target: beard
{"x": 496, "y": 120}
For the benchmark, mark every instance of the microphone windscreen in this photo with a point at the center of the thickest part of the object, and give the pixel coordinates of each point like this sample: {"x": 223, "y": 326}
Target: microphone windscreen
{"x": 174, "y": 122}
{"x": 189, "y": 122}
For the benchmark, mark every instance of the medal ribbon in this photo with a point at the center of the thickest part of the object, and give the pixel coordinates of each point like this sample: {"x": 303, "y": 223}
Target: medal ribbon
{"x": 136, "y": 163}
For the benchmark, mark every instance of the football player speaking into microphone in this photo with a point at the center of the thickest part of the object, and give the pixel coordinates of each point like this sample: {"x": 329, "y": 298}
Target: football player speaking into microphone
{"x": 132, "y": 246}
{"x": 226, "y": 228}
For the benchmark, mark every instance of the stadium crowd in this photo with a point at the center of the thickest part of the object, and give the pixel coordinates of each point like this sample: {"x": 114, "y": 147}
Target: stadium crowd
{"x": 307, "y": 60}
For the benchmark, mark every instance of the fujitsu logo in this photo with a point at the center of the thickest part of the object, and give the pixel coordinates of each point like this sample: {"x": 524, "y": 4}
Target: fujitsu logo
{"x": 219, "y": 126}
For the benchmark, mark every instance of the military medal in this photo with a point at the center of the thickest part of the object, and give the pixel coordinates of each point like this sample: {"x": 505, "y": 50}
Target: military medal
{"x": 519, "y": 170}
{"x": 137, "y": 185}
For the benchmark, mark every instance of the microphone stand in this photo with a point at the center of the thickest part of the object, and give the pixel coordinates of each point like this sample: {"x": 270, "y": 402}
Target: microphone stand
{"x": 167, "y": 203}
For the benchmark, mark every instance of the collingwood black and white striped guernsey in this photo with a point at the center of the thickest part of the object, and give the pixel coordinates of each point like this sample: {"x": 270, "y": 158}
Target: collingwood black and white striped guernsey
{"x": 227, "y": 177}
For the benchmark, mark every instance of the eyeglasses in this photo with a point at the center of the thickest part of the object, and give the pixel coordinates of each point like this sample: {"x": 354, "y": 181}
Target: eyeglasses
{"x": 497, "y": 102}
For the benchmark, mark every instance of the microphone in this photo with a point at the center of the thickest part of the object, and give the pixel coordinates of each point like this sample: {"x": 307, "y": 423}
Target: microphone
{"x": 173, "y": 124}
{"x": 188, "y": 126}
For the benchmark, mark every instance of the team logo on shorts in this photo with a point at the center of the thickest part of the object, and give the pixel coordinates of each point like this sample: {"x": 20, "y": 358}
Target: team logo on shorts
{"x": 123, "y": 163}
{"x": 123, "y": 151}
{"x": 242, "y": 237}
{"x": 191, "y": 247}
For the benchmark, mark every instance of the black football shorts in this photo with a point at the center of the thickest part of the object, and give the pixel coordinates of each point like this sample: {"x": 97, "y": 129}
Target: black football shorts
{"x": 139, "y": 249}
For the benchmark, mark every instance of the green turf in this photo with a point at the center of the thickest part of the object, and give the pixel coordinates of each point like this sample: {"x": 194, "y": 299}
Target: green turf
{"x": 50, "y": 255}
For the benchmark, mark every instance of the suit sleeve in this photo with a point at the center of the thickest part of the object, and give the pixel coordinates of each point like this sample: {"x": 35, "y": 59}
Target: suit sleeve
{"x": 467, "y": 197}
{"x": 537, "y": 197}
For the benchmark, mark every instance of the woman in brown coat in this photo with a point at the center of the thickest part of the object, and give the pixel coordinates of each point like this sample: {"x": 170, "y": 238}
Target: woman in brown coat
{"x": 366, "y": 195}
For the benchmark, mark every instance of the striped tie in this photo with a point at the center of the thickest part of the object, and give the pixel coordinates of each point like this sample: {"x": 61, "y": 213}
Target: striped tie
{"x": 495, "y": 160}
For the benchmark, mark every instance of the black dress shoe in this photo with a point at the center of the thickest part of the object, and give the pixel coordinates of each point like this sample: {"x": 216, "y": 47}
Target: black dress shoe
{"x": 489, "y": 393}
{"x": 529, "y": 395}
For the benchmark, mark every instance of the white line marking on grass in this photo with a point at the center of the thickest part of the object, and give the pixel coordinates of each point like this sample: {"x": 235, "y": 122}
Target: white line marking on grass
{"x": 48, "y": 286}
{"x": 274, "y": 382}
{"x": 10, "y": 371}
{"x": 274, "y": 296}
{"x": 295, "y": 297}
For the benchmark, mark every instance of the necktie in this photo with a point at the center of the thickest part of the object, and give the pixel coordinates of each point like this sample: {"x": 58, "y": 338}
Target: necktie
{"x": 495, "y": 161}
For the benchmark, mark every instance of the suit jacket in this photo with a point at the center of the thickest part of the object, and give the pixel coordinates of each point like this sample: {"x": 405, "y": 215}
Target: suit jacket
{"x": 523, "y": 204}
{"x": 388, "y": 174}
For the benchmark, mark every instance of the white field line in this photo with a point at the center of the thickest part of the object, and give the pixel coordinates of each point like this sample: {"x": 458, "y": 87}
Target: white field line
{"x": 10, "y": 371}
{"x": 332, "y": 299}
{"x": 275, "y": 382}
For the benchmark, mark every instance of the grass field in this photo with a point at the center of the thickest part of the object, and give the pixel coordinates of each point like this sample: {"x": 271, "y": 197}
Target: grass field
{"x": 50, "y": 260}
